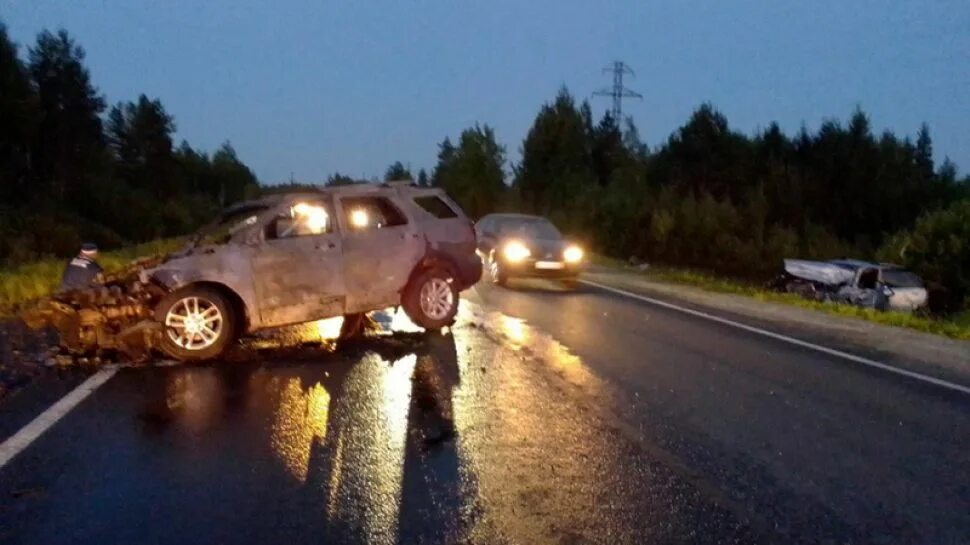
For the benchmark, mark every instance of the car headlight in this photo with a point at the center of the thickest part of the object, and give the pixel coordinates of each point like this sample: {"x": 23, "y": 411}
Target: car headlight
{"x": 573, "y": 254}
{"x": 515, "y": 251}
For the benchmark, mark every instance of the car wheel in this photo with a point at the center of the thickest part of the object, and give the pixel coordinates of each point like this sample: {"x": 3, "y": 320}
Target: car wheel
{"x": 199, "y": 323}
{"x": 570, "y": 283}
{"x": 495, "y": 272}
{"x": 431, "y": 299}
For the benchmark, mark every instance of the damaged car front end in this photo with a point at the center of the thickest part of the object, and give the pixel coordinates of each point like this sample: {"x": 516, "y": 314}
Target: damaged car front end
{"x": 115, "y": 317}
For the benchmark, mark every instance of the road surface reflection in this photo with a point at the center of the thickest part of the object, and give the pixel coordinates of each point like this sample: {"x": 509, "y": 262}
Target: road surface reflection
{"x": 406, "y": 434}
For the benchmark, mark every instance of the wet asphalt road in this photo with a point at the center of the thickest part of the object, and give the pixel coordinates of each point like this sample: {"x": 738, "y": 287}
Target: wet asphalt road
{"x": 581, "y": 417}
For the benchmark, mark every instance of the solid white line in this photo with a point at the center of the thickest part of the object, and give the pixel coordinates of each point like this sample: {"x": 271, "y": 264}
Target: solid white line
{"x": 785, "y": 338}
{"x": 29, "y": 433}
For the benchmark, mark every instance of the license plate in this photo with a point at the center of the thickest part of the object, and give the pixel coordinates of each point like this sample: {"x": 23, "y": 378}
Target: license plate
{"x": 549, "y": 265}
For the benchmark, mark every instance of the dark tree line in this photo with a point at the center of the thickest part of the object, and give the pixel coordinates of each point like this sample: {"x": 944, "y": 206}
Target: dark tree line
{"x": 72, "y": 169}
{"x": 711, "y": 197}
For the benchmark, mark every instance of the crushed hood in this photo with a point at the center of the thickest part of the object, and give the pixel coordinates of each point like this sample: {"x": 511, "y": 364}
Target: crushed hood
{"x": 818, "y": 271}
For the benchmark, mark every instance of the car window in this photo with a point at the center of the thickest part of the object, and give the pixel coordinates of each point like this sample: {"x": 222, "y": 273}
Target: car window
{"x": 436, "y": 207}
{"x": 230, "y": 223}
{"x": 369, "y": 213}
{"x": 533, "y": 228}
{"x": 896, "y": 278}
{"x": 302, "y": 219}
{"x": 867, "y": 279}
{"x": 484, "y": 226}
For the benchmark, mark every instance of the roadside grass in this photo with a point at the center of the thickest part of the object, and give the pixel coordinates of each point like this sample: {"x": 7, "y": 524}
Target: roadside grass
{"x": 955, "y": 327}
{"x": 28, "y": 282}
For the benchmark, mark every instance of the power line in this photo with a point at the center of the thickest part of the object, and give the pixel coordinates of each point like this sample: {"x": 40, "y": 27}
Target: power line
{"x": 618, "y": 92}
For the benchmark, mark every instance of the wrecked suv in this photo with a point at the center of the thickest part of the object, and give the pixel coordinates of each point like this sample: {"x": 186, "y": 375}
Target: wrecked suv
{"x": 292, "y": 258}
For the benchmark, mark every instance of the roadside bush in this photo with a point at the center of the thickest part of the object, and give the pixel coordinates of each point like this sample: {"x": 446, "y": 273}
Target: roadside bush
{"x": 938, "y": 249}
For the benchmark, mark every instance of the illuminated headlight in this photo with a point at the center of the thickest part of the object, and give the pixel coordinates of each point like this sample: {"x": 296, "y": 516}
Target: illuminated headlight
{"x": 516, "y": 251}
{"x": 573, "y": 254}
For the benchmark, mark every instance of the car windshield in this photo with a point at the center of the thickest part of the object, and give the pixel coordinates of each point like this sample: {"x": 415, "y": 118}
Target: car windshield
{"x": 896, "y": 278}
{"x": 535, "y": 228}
{"x": 232, "y": 221}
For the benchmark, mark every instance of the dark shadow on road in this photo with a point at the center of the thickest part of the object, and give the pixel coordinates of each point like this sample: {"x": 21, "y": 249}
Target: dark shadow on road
{"x": 433, "y": 493}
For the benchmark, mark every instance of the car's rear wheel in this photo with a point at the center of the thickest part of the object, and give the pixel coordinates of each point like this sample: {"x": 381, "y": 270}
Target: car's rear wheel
{"x": 199, "y": 323}
{"x": 431, "y": 298}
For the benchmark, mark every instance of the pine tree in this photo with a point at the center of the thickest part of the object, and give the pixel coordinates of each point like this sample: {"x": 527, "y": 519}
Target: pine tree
{"x": 18, "y": 121}
{"x": 473, "y": 173}
{"x": 397, "y": 171}
{"x": 446, "y": 156}
{"x": 924, "y": 152}
{"x": 69, "y": 144}
{"x": 556, "y": 160}
{"x": 140, "y": 135}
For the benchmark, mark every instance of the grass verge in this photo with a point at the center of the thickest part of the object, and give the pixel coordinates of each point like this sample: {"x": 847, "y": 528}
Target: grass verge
{"x": 25, "y": 283}
{"x": 956, "y": 327}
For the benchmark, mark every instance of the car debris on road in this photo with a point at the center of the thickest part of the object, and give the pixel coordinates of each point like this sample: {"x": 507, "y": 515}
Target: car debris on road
{"x": 881, "y": 286}
{"x": 279, "y": 260}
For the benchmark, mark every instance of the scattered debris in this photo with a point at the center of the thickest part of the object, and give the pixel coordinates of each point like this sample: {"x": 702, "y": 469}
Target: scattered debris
{"x": 106, "y": 320}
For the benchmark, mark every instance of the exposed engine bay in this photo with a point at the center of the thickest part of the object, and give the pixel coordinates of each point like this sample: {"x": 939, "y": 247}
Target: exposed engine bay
{"x": 114, "y": 317}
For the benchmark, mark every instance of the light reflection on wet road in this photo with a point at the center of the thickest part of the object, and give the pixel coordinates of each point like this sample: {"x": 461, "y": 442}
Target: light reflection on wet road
{"x": 298, "y": 440}
{"x": 351, "y": 448}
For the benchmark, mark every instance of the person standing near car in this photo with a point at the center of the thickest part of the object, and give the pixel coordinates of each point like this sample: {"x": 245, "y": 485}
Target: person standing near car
{"x": 83, "y": 270}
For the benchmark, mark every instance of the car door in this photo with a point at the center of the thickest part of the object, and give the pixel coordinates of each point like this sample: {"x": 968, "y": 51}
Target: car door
{"x": 298, "y": 268}
{"x": 380, "y": 249}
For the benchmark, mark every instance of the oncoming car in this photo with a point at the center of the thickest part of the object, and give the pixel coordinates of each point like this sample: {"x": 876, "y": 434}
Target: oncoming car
{"x": 520, "y": 245}
{"x": 292, "y": 258}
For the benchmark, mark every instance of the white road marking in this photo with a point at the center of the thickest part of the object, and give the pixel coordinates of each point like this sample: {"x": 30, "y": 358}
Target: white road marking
{"x": 798, "y": 342}
{"x": 29, "y": 433}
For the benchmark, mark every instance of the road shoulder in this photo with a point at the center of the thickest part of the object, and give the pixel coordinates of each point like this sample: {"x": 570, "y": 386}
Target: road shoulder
{"x": 916, "y": 351}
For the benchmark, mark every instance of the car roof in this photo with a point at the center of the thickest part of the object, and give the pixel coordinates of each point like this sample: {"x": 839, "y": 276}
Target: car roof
{"x": 514, "y": 216}
{"x": 852, "y": 263}
{"x": 404, "y": 187}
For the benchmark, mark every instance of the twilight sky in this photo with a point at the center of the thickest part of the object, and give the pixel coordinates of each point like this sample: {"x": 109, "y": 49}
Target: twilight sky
{"x": 314, "y": 87}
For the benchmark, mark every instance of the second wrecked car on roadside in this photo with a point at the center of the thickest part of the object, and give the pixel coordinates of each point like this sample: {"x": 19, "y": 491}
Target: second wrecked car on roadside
{"x": 281, "y": 260}
{"x": 880, "y": 286}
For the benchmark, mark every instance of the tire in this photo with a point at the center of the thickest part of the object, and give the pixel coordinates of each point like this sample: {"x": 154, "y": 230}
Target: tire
{"x": 495, "y": 272}
{"x": 431, "y": 298}
{"x": 571, "y": 283}
{"x": 218, "y": 317}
